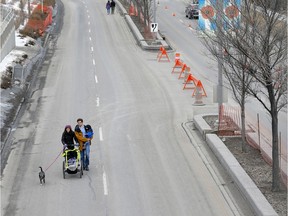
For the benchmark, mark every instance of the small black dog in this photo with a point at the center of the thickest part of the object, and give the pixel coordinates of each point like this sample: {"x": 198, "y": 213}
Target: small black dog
{"x": 41, "y": 176}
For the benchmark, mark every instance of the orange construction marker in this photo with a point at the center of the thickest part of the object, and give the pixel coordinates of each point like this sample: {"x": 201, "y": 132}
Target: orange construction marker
{"x": 164, "y": 54}
{"x": 190, "y": 80}
{"x": 199, "y": 87}
{"x": 182, "y": 71}
{"x": 178, "y": 64}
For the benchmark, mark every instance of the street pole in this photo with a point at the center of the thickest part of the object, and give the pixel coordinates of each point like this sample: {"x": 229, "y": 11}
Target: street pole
{"x": 42, "y": 6}
{"x": 154, "y": 18}
{"x": 29, "y": 9}
{"x": 154, "y": 15}
{"x": 220, "y": 58}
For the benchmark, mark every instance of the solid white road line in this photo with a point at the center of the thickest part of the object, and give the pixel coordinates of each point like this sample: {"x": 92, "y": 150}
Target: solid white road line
{"x": 100, "y": 134}
{"x": 96, "y": 80}
{"x": 105, "y": 187}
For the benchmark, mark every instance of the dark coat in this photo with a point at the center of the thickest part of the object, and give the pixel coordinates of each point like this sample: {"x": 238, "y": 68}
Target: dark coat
{"x": 112, "y": 4}
{"x": 68, "y": 139}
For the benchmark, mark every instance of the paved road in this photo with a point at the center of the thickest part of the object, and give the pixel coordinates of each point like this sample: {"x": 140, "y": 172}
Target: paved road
{"x": 142, "y": 162}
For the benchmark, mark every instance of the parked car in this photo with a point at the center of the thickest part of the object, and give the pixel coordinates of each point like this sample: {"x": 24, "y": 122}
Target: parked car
{"x": 192, "y": 11}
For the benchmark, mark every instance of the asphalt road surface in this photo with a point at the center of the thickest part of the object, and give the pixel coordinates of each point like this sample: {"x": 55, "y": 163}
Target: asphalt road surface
{"x": 142, "y": 162}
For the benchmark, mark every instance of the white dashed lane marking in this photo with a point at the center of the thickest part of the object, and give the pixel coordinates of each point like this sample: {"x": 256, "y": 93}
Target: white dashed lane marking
{"x": 100, "y": 134}
{"x": 105, "y": 186}
{"x": 97, "y": 101}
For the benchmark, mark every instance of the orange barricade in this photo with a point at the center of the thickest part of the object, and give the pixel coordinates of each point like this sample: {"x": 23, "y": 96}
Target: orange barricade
{"x": 187, "y": 73}
{"x": 160, "y": 51}
{"x": 183, "y": 69}
{"x": 177, "y": 56}
{"x": 198, "y": 96}
{"x": 163, "y": 54}
{"x": 178, "y": 64}
{"x": 190, "y": 80}
{"x": 200, "y": 88}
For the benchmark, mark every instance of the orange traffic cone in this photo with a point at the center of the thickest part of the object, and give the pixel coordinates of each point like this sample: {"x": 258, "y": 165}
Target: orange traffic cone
{"x": 177, "y": 56}
{"x": 198, "y": 98}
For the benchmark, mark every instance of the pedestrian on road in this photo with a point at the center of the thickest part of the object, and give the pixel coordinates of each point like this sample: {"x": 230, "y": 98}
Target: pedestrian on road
{"x": 113, "y": 4}
{"x": 84, "y": 143}
{"x": 68, "y": 138}
{"x": 108, "y": 6}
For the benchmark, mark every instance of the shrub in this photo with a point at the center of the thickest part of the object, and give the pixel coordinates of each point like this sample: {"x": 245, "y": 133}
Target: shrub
{"x": 6, "y": 79}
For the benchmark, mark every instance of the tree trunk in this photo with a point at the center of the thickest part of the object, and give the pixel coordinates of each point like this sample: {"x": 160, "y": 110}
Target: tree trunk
{"x": 243, "y": 128}
{"x": 242, "y": 104}
{"x": 276, "y": 179}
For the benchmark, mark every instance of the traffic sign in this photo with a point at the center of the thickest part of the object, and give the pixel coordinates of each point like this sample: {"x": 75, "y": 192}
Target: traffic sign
{"x": 154, "y": 27}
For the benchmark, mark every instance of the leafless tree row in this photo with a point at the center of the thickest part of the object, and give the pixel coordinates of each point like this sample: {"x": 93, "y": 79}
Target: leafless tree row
{"x": 253, "y": 56}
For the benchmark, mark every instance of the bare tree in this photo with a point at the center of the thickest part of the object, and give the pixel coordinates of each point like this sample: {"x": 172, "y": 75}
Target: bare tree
{"x": 240, "y": 82}
{"x": 22, "y": 13}
{"x": 237, "y": 76}
{"x": 258, "y": 46}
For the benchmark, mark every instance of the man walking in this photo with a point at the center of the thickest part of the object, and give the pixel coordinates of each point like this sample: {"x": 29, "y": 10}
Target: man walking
{"x": 113, "y": 4}
{"x": 84, "y": 143}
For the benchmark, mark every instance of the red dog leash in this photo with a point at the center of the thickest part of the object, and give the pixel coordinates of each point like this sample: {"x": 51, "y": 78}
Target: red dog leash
{"x": 53, "y": 161}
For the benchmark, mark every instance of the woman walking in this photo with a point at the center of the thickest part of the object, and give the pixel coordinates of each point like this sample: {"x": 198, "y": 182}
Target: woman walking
{"x": 108, "y": 6}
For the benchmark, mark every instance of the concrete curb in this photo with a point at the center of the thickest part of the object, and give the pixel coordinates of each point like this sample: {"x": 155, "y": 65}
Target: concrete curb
{"x": 202, "y": 125}
{"x": 248, "y": 188}
{"x": 138, "y": 36}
